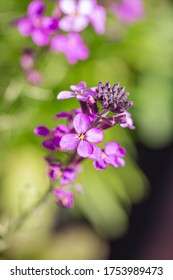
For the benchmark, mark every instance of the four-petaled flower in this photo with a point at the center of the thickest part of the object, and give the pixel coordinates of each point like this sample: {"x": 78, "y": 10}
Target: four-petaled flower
{"x": 81, "y": 140}
{"x": 36, "y": 25}
{"x": 72, "y": 45}
{"x": 112, "y": 154}
{"x": 65, "y": 198}
{"x": 79, "y": 91}
{"x": 80, "y": 14}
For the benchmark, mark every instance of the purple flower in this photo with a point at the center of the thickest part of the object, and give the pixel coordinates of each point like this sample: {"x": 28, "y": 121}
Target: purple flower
{"x": 80, "y": 13}
{"x": 81, "y": 140}
{"x": 65, "y": 175}
{"x": 65, "y": 198}
{"x": 36, "y": 25}
{"x": 34, "y": 77}
{"x": 128, "y": 11}
{"x": 129, "y": 121}
{"x": 79, "y": 91}
{"x": 53, "y": 137}
{"x": 71, "y": 45}
{"x": 27, "y": 59}
{"x": 112, "y": 154}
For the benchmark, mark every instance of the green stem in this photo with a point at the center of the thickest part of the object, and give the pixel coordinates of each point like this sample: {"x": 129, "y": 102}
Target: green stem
{"x": 19, "y": 222}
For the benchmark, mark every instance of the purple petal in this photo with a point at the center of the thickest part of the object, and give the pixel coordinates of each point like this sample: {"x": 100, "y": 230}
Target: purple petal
{"x": 42, "y": 131}
{"x": 56, "y": 140}
{"x": 65, "y": 95}
{"x": 96, "y": 155}
{"x": 78, "y": 87}
{"x": 25, "y": 27}
{"x": 59, "y": 43}
{"x": 49, "y": 145}
{"x": 81, "y": 123}
{"x": 53, "y": 171}
{"x": 49, "y": 24}
{"x": 113, "y": 148}
{"x": 112, "y": 160}
{"x": 65, "y": 199}
{"x": 67, "y": 6}
{"x": 40, "y": 37}
{"x": 69, "y": 142}
{"x": 98, "y": 19}
{"x": 61, "y": 129}
{"x": 84, "y": 149}
{"x": 121, "y": 161}
{"x": 62, "y": 115}
{"x": 36, "y": 8}
{"x": 69, "y": 173}
{"x": 99, "y": 165}
{"x": 94, "y": 135}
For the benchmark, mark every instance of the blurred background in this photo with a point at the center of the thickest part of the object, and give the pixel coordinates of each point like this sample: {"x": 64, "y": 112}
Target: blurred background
{"x": 124, "y": 213}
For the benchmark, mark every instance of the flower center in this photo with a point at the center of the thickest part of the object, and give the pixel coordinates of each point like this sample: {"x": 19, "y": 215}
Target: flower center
{"x": 79, "y": 92}
{"x": 103, "y": 155}
{"x": 59, "y": 173}
{"x": 81, "y": 136}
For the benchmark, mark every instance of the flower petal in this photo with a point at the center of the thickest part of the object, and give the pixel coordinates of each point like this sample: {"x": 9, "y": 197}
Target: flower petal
{"x": 95, "y": 135}
{"x": 40, "y": 37}
{"x": 25, "y": 27}
{"x": 98, "y": 19}
{"x": 112, "y": 160}
{"x": 86, "y": 7}
{"x": 65, "y": 94}
{"x": 79, "y": 23}
{"x": 78, "y": 87}
{"x": 96, "y": 155}
{"x": 67, "y": 6}
{"x": 81, "y": 123}
{"x": 99, "y": 164}
{"x": 49, "y": 145}
{"x": 42, "y": 131}
{"x": 66, "y": 23}
{"x": 84, "y": 149}
{"x": 69, "y": 142}
{"x": 113, "y": 148}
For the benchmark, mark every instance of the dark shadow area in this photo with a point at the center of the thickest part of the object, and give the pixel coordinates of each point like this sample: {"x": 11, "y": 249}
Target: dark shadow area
{"x": 150, "y": 234}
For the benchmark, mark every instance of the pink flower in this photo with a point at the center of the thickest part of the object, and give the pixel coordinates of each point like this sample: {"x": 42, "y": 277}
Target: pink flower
{"x": 129, "y": 121}
{"x": 71, "y": 45}
{"x": 128, "y": 11}
{"x": 36, "y": 25}
{"x": 112, "y": 154}
{"x": 65, "y": 198}
{"x": 80, "y": 13}
{"x": 79, "y": 91}
{"x": 81, "y": 140}
{"x": 65, "y": 175}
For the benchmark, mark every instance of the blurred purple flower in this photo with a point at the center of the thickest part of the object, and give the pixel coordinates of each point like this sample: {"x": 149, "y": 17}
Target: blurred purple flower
{"x": 79, "y": 91}
{"x": 71, "y": 45}
{"x": 81, "y": 140}
{"x": 112, "y": 154}
{"x": 53, "y": 137}
{"x": 36, "y": 25}
{"x": 65, "y": 175}
{"x": 27, "y": 59}
{"x": 128, "y": 11}
{"x": 34, "y": 77}
{"x": 65, "y": 198}
{"x": 80, "y": 13}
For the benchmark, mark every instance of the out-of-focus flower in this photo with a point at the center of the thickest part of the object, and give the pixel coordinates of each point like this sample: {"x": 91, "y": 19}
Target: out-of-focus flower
{"x": 27, "y": 59}
{"x": 72, "y": 45}
{"x": 34, "y": 77}
{"x": 36, "y": 25}
{"x": 81, "y": 140}
{"x": 79, "y": 91}
{"x": 65, "y": 199}
{"x": 65, "y": 175}
{"x": 128, "y": 11}
{"x": 53, "y": 136}
{"x": 112, "y": 154}
{"x": 80, "y": 13}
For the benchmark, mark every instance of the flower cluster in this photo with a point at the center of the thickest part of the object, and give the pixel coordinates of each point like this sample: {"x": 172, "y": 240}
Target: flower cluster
{"x": 77, "y": 139}
{"x": 60, "y": 32}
